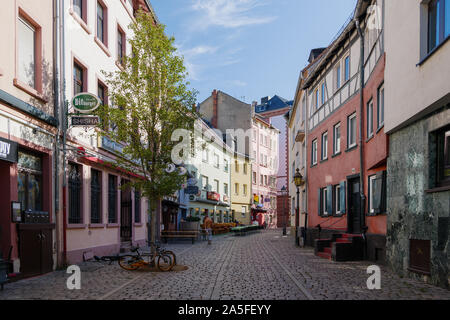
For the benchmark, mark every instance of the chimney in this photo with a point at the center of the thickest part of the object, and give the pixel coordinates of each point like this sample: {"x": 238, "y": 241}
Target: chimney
{"x": 214, "y": 119}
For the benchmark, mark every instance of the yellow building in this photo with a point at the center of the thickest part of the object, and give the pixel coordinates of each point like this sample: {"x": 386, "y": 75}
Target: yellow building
{"x": 241, "y": 188}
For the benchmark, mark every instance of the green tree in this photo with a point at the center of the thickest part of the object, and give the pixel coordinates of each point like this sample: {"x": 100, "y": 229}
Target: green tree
{"x": 150, "y": 100}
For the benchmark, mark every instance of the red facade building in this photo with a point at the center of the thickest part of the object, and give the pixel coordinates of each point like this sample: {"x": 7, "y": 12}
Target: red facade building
{"x": 347, "y": 146}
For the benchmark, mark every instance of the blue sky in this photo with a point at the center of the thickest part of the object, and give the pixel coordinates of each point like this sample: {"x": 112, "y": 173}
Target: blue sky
{"x": 250, "y": 48}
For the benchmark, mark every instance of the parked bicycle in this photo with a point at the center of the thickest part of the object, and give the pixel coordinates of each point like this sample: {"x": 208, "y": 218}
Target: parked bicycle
{"x": 164, "y": 260}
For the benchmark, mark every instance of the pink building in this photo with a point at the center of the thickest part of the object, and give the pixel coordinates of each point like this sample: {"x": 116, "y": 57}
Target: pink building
{"x": 265, "y": 169}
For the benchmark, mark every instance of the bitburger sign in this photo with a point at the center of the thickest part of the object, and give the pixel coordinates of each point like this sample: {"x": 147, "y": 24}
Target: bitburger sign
{"x": 8, "y": 150}
{"x": 85, "y": 102}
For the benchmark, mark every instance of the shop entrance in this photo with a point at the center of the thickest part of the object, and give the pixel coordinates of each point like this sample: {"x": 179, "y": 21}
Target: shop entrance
{"x": 126, "y": 213}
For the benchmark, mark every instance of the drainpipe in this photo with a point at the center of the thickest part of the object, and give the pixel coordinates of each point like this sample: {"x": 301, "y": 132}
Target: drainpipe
{"x": 361, "y": 121}
{"x": 56, "y": 43}
{"x": 64, "y": 126}
{"x": 306, "y": 91}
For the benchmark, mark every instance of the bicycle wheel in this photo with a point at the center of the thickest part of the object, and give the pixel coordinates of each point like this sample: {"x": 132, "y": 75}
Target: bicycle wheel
{"x": 172, "y": 255}
{"x": 128, "y": 263}
{"x": 164, "y": 262}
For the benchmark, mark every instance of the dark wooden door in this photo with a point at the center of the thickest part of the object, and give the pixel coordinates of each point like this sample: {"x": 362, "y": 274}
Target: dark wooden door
{"x": 30, "y": 252}
{"x": 46, "y": 251}
{"x": 126, "y": 214}
{"x": 354, "y": 207}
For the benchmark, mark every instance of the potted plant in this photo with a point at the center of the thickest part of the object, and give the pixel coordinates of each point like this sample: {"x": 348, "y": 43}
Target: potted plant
{"x": 190, "y": 224}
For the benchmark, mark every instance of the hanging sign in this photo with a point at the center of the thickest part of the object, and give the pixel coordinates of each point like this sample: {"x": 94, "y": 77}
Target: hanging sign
{"x": 8, "y": 150}
{"x": 85, "y": 102}
{"x": 85, "y": 121}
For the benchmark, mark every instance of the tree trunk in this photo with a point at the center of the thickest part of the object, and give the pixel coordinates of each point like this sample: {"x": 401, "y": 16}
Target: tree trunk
{"x": 155, "y": 205}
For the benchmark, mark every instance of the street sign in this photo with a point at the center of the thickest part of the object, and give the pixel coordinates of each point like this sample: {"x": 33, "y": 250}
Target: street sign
{"x": 191, "y": 190}
{"x": 85, "y": 102}
{"x": 85, "y": 121}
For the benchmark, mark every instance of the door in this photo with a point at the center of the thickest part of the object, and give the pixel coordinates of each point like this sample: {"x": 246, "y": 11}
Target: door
{"x": 354, "y": 223}
{"x": 126, "y": 213}
{"x": 30, "y": 252}
{"x": 46, "y": 250}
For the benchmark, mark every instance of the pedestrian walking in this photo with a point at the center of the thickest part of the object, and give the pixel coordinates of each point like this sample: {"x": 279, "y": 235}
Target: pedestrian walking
{"x": 208, "y": 227}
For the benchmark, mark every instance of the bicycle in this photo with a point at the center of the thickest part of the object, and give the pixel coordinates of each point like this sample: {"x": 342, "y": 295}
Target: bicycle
{"x": 162, "y": 260}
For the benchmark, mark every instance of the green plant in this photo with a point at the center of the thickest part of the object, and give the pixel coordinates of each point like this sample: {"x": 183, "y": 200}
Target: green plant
{"x": 192, "y": 219}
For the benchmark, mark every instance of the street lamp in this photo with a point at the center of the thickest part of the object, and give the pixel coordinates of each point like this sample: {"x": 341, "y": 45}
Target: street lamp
{"x": 298, "y": 181}
{"x": 283, "y": 195}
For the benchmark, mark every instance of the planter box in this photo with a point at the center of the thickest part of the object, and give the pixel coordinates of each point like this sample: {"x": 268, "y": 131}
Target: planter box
{"x": 189, "y": 226}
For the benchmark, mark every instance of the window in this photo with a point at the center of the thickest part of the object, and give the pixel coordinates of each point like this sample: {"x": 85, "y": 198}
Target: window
{"x": 316, "y": 99}
{"x": 103, "y": 96}
{"x": 337, "y": 139}
{"x": 216, "y": 186}
{"x": 27, "y": 60}
{"x": 102, "y": 25}
{"x": 225, "y": 165}
{"x": 443, "y": 157}
{"x": 78, "y": 7}
{"x": 29, "y": 181}
{"x": 261, "y": 181}
{"x": 96, "y": 199}
{"x": 245, "y": 190}
{"x": 205, "y": 183}
{"x": 245, "y": 168}
{"x": 314, "y": 152}
{"x": 377, "y": 194}
{"x": 293, "y": 170}
{"x": 254, "y": 178}
{"x": 325, "y": 146}
{"x": 323, "y": 93}
{"x": 78, "y": 79}
{"x": 380, "y": 106}
{"x": 137, "y": 206}
{"x": 216, "y": 161}
{"x": 370, "y": 119}
{"x": 75, "y": 190}
{"x": 121, "y": 47}
{"x": 347, "y": 69}
{"x": 265, "y": 160}
{"x": 244, "y": 212}
{"x": 438, "y": 22}
{"x": 265, "y": 181}
{"x": 236, "y": 189}
{"x": 324, "y": 204}
{"x": 338, "y": 76}
{"x": 351, "y": 131}
{"x": 236, "y": 166}
{"x": 112, "y": 199}
{"x": 337, "y": 199}
{"x": 225, "y": 189}
{"x": 205, "y": 155}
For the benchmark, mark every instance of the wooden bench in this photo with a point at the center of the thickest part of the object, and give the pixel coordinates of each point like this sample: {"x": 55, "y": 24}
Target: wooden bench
{"x": 179, "y": 234}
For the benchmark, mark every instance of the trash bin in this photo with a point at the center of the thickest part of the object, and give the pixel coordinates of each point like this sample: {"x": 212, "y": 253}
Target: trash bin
{"x": 3, "y": 273}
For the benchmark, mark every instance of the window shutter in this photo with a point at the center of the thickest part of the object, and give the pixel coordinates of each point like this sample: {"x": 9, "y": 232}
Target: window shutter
{"x": 342, "y": 195}
{"x": 319, "y": 206}
{"x": 330, "y": 200}
{"x": 377, "y": 193}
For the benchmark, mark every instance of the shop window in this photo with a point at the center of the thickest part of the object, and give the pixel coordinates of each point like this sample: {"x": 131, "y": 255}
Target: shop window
{"x": 96, "y": 196}
{"x": 75, "y": 194}
{"x": 30, "y": 181}
{"x": 112, "y": 199}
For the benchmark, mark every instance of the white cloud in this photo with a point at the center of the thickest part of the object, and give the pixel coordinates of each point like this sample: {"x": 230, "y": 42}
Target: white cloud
{"x": 238, "y": 83}
{"x": 199, "y": 50}
{"x": 229, "y": 13}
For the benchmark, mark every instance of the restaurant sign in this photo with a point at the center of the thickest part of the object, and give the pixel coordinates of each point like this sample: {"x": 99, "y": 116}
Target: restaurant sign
{"x": 85, "y": 102}
{"x": 213, "y": 196}
{"x": 85, "y": 121}
{"x": 8, "y": 150}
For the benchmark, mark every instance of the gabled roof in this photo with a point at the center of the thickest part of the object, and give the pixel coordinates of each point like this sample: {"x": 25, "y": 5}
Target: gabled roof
{"x": 275, "y": 103}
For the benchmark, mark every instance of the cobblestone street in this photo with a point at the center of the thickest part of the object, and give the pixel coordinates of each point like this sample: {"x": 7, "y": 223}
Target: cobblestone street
{"x": 262, "y": 266}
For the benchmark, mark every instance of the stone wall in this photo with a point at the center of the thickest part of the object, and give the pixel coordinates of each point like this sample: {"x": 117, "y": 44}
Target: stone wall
{"x": 414, "y": 213}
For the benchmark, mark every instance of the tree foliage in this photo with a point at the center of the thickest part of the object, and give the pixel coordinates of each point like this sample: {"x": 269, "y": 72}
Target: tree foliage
{"x": 150, "y": 99}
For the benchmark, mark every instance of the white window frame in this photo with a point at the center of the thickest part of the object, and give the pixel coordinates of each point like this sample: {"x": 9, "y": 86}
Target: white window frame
{"x": 337, "y": 141}
{"x": 337, "y": 199}
{"x": 349, "y": 119}
{"x": 371, "y": 190}
{"x": 314, "y": 152}
{"x": 325, "y": 146}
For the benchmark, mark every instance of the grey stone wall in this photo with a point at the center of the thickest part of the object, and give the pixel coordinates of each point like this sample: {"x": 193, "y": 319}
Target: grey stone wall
{"x": 412, "y": 212}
